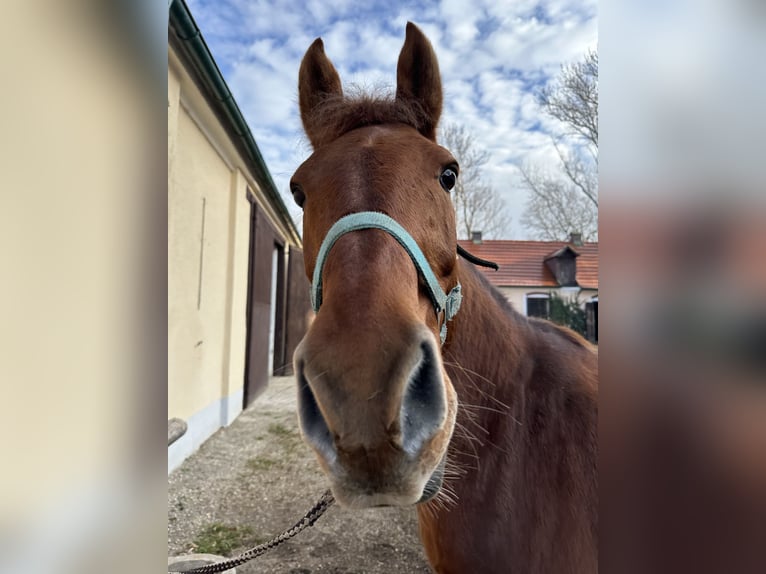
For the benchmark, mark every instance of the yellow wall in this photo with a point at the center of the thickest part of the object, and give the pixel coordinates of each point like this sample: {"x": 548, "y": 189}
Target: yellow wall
{"x": 239, "y": 237}
{"x": 207, "y": 277}
{"x": 199, "y": 201}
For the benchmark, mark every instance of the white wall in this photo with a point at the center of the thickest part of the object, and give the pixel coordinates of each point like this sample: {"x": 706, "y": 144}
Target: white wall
{"x": 518, "y": 295}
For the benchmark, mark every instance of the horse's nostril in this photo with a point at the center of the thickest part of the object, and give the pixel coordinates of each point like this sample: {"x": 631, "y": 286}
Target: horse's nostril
{"x": 312, "y": 422}
{"x": 424, "y": 405}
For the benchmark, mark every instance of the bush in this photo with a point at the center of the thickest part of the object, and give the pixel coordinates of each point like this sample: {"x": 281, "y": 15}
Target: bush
{"x": 568, "y": 312}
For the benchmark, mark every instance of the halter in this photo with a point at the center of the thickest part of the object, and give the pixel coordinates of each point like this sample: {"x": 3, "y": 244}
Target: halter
{"x": 442, "y": 302}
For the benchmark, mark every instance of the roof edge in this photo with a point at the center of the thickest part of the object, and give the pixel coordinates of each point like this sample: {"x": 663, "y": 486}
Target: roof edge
{"x": 559, "y": 252}
{"x": 187, "y": 31}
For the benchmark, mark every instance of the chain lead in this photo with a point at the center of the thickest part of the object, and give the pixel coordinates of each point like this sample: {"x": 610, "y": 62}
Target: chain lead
{"x": 308, "y": 520}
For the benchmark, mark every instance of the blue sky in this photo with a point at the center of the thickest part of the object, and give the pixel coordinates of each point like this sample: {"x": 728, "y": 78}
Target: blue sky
{"x": 493, "y": 55}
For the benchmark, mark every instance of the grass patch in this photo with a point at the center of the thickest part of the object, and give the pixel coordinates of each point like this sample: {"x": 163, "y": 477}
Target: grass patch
{"x": 218, "y": 538}
{"x": 261, "y": 463}
{"x": 287, "y": 438}
{"x": 280, "y": 430}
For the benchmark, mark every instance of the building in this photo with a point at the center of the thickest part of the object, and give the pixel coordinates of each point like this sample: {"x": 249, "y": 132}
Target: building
{"x": 238, "y": 298}
{"x": 530, "y": 271}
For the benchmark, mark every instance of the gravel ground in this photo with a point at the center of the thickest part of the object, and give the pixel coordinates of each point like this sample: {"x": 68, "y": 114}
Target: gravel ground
{"x": 257, "y": 475}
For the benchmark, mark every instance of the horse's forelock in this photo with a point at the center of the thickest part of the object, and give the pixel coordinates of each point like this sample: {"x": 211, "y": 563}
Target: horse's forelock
{"x": 338, "y": 115}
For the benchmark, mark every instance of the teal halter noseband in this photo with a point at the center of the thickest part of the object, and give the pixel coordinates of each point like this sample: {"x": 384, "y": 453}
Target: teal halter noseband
{"x": 449, "y": 303}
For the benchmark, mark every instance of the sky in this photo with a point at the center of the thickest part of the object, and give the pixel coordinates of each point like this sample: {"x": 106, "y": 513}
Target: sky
{"x": 493, "y": 56}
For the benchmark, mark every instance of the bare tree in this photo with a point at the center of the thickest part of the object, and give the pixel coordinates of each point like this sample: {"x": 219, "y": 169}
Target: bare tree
{"x": 567, "y": 202}
{"x": 477, "y": 205}
{"x": 556, "y": 208}
{"x": 573, "y": 98}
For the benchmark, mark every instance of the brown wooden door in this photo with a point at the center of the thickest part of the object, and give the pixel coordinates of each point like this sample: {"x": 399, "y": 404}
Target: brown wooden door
{"x": 298, "y": 310}
{"x": 280, "y": 301}
{"x": 258, "y": 313}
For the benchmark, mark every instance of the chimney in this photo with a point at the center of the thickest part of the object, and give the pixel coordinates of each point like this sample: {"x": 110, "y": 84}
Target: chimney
{"x": 476, "y": 237}
{"x": 575, "y": 238}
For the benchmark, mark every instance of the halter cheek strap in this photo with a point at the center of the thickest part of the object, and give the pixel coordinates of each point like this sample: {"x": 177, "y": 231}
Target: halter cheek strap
{"x": 442, "y": 302}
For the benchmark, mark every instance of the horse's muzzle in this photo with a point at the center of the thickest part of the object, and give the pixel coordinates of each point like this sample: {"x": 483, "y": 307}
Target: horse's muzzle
{"x": 386, "y": 447}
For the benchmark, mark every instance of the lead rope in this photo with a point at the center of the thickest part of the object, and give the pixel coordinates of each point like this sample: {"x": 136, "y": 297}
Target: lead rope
{"x": 308, "y": 520}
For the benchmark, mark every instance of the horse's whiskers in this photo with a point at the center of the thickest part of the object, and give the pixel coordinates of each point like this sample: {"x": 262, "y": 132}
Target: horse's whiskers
{"x": 460, "y": 427}
{"x": 485, "y": 408}
{"x": 470, "y": 372}
{"x": 471, "y": 440}
{"x": 469, "y": 379}
{"x": 471, "y": 417}
{"x": 481, "y": 407}
{"x": 447, "y": 497}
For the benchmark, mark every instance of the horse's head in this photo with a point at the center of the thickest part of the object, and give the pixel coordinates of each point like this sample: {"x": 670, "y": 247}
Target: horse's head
{"x": 375, "y": 402}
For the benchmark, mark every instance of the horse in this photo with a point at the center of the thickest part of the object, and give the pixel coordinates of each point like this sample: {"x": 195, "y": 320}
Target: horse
{"x": 418, "y": 383}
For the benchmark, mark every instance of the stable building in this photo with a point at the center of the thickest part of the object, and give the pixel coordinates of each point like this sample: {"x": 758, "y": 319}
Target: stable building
{"x": 238, "y": 297}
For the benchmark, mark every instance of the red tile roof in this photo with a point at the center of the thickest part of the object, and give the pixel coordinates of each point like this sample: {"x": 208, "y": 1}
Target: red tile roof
{"x": 522, "y": 262}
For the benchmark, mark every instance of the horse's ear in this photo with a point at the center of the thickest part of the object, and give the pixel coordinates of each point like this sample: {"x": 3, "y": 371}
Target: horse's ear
{"x": 418, "y": 79}
{"x": 317, "y": 80}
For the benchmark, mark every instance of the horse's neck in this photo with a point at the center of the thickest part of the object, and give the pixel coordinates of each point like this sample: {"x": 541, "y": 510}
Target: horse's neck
{"x": 488, "y": 358}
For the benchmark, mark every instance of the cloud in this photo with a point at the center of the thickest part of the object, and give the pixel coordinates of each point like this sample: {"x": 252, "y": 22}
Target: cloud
{"x": 493, "y": 55}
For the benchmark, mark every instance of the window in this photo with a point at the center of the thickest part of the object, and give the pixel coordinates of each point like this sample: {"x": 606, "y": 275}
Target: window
{"x": 538, "y": 305}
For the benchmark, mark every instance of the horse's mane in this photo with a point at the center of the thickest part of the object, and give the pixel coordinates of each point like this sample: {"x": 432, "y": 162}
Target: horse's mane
{"x": 499, "y": 298}
{"x": 337, "y": 115}
{"x": 566, "y": 333}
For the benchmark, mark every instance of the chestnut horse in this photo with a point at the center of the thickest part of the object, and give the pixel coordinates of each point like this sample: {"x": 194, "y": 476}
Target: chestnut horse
{"x": 492, "y": 431}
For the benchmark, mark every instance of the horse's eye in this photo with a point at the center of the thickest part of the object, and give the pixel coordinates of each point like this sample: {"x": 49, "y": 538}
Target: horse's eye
{"x": 448, "y": 179}
{"x": 298, "y": 196}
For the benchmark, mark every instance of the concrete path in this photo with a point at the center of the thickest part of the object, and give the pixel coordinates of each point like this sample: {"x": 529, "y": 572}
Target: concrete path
{"x": 255, "y": 478}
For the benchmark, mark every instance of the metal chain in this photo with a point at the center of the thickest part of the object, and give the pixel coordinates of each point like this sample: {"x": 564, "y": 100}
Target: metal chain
{"x": 308, "y": 520}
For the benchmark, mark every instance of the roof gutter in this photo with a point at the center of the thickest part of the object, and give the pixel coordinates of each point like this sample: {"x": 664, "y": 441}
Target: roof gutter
{"x": 186, "y": 30}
